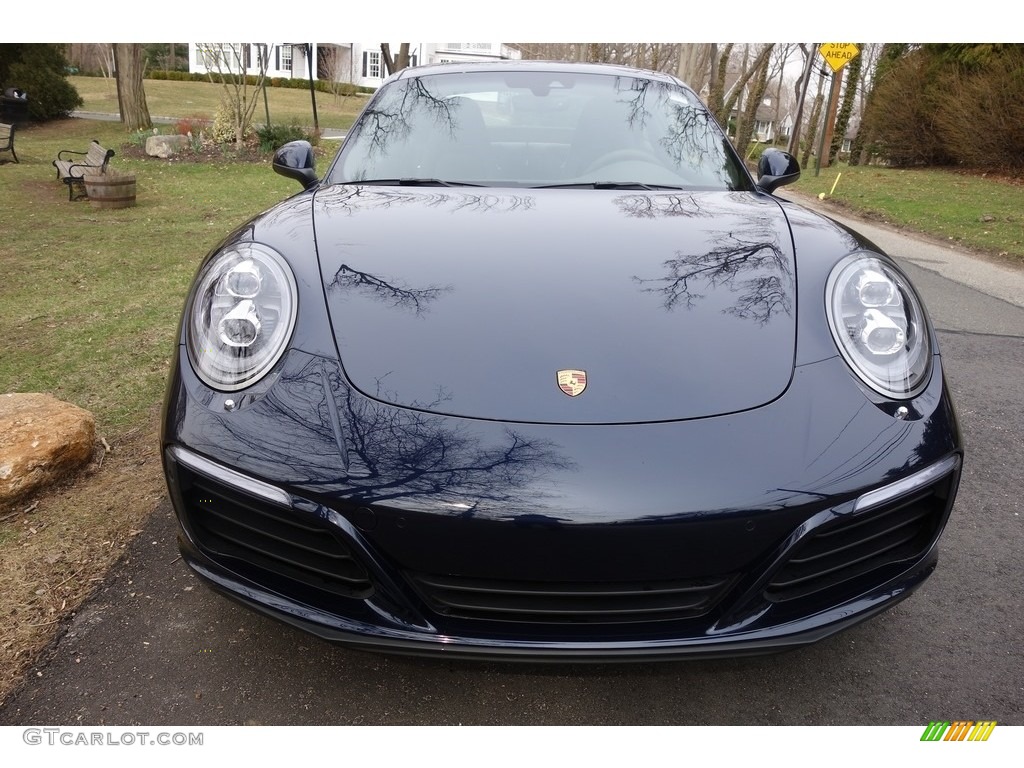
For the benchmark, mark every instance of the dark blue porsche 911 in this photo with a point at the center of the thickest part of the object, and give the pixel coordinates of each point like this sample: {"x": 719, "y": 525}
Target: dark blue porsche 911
{"x": 537, "y": 370}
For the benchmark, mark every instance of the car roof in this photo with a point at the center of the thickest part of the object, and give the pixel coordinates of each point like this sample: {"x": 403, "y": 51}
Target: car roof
{"x": 518, "y": 65}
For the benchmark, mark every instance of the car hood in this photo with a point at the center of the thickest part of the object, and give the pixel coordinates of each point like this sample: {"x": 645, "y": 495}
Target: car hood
{"x": 469, "y": 302}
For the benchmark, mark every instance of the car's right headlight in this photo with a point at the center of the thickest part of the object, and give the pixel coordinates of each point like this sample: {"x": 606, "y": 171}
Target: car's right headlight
{"x": 879, "y": 325}
{"x": 241, "y": 315}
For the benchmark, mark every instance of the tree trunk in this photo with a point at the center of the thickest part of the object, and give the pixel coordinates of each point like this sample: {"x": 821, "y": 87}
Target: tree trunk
{"x": 131, "y": 96}
{"x": 801, "y": 95}
{"x": 812, "y": 123}
{"x": 716, "y": 97}
{"x": 393, "y": 64}
{"x": 748, "y": 116}
{"x": 693, "y": 61}
{"x": 730, "y": 99}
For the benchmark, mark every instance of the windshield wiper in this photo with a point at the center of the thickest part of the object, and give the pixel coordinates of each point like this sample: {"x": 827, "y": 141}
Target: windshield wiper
{"x": 609, "y": 185}
{"x": 412, "y": 182}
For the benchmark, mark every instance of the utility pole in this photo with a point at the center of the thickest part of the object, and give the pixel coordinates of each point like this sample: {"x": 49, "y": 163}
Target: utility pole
{"x": 837, "y": 55}
{"x": 830, "y": 121}
{"x": 312, "y": 86}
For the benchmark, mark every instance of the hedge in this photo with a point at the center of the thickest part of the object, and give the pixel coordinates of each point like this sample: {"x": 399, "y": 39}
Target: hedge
{"x": 324, "y": 86}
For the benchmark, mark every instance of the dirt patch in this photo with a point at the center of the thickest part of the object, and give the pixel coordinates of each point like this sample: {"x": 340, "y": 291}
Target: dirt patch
{"x": 207, "y": 152}
{"x": 211, "y": 152}
{"x": 59, "y": 545}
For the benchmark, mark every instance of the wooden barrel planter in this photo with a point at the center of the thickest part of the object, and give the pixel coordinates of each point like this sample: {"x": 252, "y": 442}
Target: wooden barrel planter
{"x": 110, "y": 190}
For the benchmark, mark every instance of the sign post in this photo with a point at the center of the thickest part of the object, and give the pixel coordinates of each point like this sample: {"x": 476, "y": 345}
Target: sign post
{"x": 837, "y": 56}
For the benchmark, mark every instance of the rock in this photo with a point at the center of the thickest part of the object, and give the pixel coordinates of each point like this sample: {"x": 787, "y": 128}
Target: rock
{"x": 165, "y": 146}
{"x": 42, "y": 439}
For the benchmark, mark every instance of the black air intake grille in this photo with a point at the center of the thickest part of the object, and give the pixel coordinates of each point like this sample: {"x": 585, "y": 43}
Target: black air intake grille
{"x": 844, "y": 551}
{"x": 284, "y": 542}
{"x": 567, "y": 603}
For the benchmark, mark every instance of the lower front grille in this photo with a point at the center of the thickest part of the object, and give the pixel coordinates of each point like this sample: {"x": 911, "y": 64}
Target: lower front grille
{"x": 284, "y": 542}
{"x": 844, "y": 553}
{"x": 568, "y": 603}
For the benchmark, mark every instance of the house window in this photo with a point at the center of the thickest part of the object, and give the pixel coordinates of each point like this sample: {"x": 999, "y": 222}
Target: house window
{"x": 373, "y": 68}
{"x": 210, "y": 56}
{"x": 285, "y": 61}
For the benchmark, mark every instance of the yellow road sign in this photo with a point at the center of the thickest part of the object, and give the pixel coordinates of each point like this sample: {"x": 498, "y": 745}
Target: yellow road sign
{"x": 838, "y": 55}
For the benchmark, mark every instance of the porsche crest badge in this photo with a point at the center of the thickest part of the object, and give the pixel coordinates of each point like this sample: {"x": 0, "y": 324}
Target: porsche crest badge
{"x": 572, "y": 382}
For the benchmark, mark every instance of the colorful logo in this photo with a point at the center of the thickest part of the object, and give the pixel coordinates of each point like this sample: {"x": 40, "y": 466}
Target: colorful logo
{"x": 959, "y": 730}
{"x": 572, "y": 381}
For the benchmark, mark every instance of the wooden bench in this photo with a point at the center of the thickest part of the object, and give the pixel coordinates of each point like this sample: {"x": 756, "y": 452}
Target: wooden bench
{"x": 71, "y": 170}
{"x": 7, "y": 139}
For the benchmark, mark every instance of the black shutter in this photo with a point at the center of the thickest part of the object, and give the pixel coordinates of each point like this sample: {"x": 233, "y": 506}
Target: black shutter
{"x": 277, "y": 57}
{"x": 366, "y": 56}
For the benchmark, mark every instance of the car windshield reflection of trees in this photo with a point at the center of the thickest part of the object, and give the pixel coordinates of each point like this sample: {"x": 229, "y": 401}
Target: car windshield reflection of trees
{"x": 615, "y": 130}
{"x": 351, "y": 198}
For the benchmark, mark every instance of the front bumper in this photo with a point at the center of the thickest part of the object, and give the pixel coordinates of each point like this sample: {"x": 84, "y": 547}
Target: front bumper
{"x": 303, "y": 563}
{"x": 375, "y": 638}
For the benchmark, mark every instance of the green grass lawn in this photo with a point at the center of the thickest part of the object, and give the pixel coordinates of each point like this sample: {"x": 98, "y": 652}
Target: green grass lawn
{"x": 172, "y": 98}
{"x": 90, "y": 298}
{"x": 976, "y": 211}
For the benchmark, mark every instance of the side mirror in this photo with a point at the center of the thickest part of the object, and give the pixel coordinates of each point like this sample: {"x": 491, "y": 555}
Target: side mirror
{"x": 295, "y": 161}
{"x": 776, "y": 169}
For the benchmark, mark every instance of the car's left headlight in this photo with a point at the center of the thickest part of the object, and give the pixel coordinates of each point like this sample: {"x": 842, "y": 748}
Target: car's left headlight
{"x": 879, "y": 325}
{"x": 241, "y": 315}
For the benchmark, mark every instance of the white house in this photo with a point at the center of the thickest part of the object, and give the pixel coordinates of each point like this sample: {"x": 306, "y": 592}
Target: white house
{"x": 786, "y": 126}
{"x": 283, "y": 59}
{"x": 357, "y": 63}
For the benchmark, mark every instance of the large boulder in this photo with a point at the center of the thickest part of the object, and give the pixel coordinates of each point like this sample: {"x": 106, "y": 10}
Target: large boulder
{"x": 42, "y": 439}
{"x": 166, "y": 146}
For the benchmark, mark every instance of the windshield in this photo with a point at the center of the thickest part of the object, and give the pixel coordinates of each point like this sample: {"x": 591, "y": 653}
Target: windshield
{"x": 537, "y": 129}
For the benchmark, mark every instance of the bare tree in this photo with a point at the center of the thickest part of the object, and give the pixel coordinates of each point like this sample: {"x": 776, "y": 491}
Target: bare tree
{"x": 334, "y": 64}
{"x": 758, "y": 85}
{"x": 229, "y": 64}
{"x": 800, "y": 92}
{"x": 131, "y": 96}
{"x": 812, "y": 123}
{"x": 722, "y": 99}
